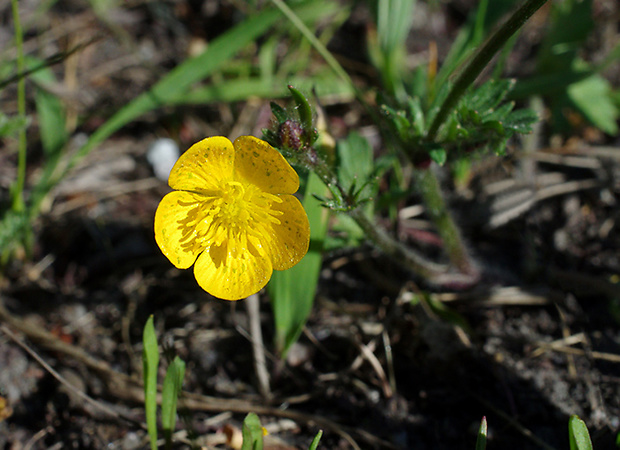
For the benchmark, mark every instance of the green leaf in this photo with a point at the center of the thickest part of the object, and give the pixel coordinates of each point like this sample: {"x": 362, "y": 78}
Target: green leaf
{"x": 438, "y": 155}
{"x": 355, "y": 161}
{"x": 9, "y": 126}
{"x": 252, "y": 433}
{"x": 578, "y": 434}
{"x": 489, "y": 95}
{"x": 501, "y": 112}
{"x": 315, "y": 442}
{"x": 398, "y": 120}
{"x": 279, "y": 112}
{"x": 150, "y": 363}
{"x": 592, "y": 97}
{"x": 169, "y": 397}
{"x": 417, "y": 116}
{"x": 305, "y": 115}
{"x": 562, "y": 42}
{"x": 292, "y": 291}
{"x": 494, "y": 126}
{"x": 387, "y": 47}
{"x": 481, "y": 441}
{"x": 50, "y": 111}
{"x": 521, "y": 120}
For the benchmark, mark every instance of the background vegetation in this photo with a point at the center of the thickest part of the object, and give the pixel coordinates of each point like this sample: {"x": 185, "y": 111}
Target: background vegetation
{"x": 464, "y": 256}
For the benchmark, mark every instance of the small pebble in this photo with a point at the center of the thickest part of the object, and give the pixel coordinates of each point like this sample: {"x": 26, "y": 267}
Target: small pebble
{"x": 162, "y": 155}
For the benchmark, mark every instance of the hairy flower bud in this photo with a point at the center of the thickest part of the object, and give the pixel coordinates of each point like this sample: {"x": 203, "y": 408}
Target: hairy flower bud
{"x": 291, "y": 135}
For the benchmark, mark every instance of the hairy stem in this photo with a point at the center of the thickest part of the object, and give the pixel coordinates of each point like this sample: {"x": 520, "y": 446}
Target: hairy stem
{"x": 480, "y": 61}
{"x": 430, "y": 190}
{"x": 409, "y": 258}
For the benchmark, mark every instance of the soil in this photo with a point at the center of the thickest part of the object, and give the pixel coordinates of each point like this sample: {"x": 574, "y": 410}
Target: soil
{"x": 380, "y": 364}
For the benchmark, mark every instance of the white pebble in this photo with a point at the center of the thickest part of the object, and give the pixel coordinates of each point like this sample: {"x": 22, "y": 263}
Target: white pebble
{"x": 162, "y": 155}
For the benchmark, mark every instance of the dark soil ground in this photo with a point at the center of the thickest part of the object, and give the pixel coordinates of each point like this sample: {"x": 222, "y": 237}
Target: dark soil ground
{"x": 540, "y": 335}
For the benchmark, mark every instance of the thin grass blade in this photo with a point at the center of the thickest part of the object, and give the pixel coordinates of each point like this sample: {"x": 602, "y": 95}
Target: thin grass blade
{"x": 150, "y": 362}
{"x": 170, "y": 396}
{"x": 292, "y": 291}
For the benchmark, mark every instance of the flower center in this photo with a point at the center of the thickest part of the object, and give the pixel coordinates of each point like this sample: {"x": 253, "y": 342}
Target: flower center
{"x": 238, "y": 216}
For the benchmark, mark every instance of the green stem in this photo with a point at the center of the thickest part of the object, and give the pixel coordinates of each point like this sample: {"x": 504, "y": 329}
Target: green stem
{"x": 480, "y": 60}
{"x": 18, "y": 187}
{"x": 428, "y": 186}
{"x": 413, "y": 261}
{"x": 410, "y": 259}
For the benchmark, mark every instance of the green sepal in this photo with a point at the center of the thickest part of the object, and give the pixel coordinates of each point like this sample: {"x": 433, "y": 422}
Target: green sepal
{"x": 305, "y": 114}
{"x": 279, "y": 113}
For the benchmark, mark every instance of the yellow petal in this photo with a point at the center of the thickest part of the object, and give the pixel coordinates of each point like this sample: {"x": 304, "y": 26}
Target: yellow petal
{"x": 205, "y": 166}
{"x": 175, "y": 227}
{"x": 288, "y": 241}
{"x": 259, "y": 163}
{"x": 232, "y": 278}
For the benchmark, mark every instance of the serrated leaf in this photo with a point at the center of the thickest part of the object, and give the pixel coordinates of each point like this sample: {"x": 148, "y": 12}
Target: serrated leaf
{"x": 450, "y": 129}
{"x": 500, "y": 147}
{"x": 501, "y": 112}
{"x": 398, "y": 120}
{"x": 417, "y": 116}
{"x": 521, "y": 121}
{"x": 495, "y": 126}
{"x": 438, "y": 155}
{"x": 489, "y": 95}
{"x": 279, "y": 113}
{"x": 461, "y": 133}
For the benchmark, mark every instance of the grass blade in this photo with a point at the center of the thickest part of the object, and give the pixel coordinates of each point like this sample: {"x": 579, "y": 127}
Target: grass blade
{"x": 292, "y": 291}
{"x": 315, "y": 442}
{"x": 169, "y": 397}
{"x": 50, "y": 111}
{"x": 481, "y": 442}
{"x": 150, "y": 362}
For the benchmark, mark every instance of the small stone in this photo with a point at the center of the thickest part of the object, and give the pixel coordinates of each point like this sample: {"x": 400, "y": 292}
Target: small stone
{"x": 162, "y": 155}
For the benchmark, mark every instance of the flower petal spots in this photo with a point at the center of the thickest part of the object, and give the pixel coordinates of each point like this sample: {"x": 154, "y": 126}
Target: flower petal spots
{"x": 176, "y": 220}
{"x": 232, "y": 277}
{"x": 290, "y": 238}
{"x": 259, "y": 163}
{"x": 205, "y": 166}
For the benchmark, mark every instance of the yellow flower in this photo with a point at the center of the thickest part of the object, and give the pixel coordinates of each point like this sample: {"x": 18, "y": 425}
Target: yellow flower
{"x": 232, "y": 215}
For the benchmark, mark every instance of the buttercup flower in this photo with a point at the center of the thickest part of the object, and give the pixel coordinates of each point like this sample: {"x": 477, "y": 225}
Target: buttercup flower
{"x": 232, "y": 215}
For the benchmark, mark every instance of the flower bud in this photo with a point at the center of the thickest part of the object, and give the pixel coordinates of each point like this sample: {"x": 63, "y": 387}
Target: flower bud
{"x": 291, "y": 135}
